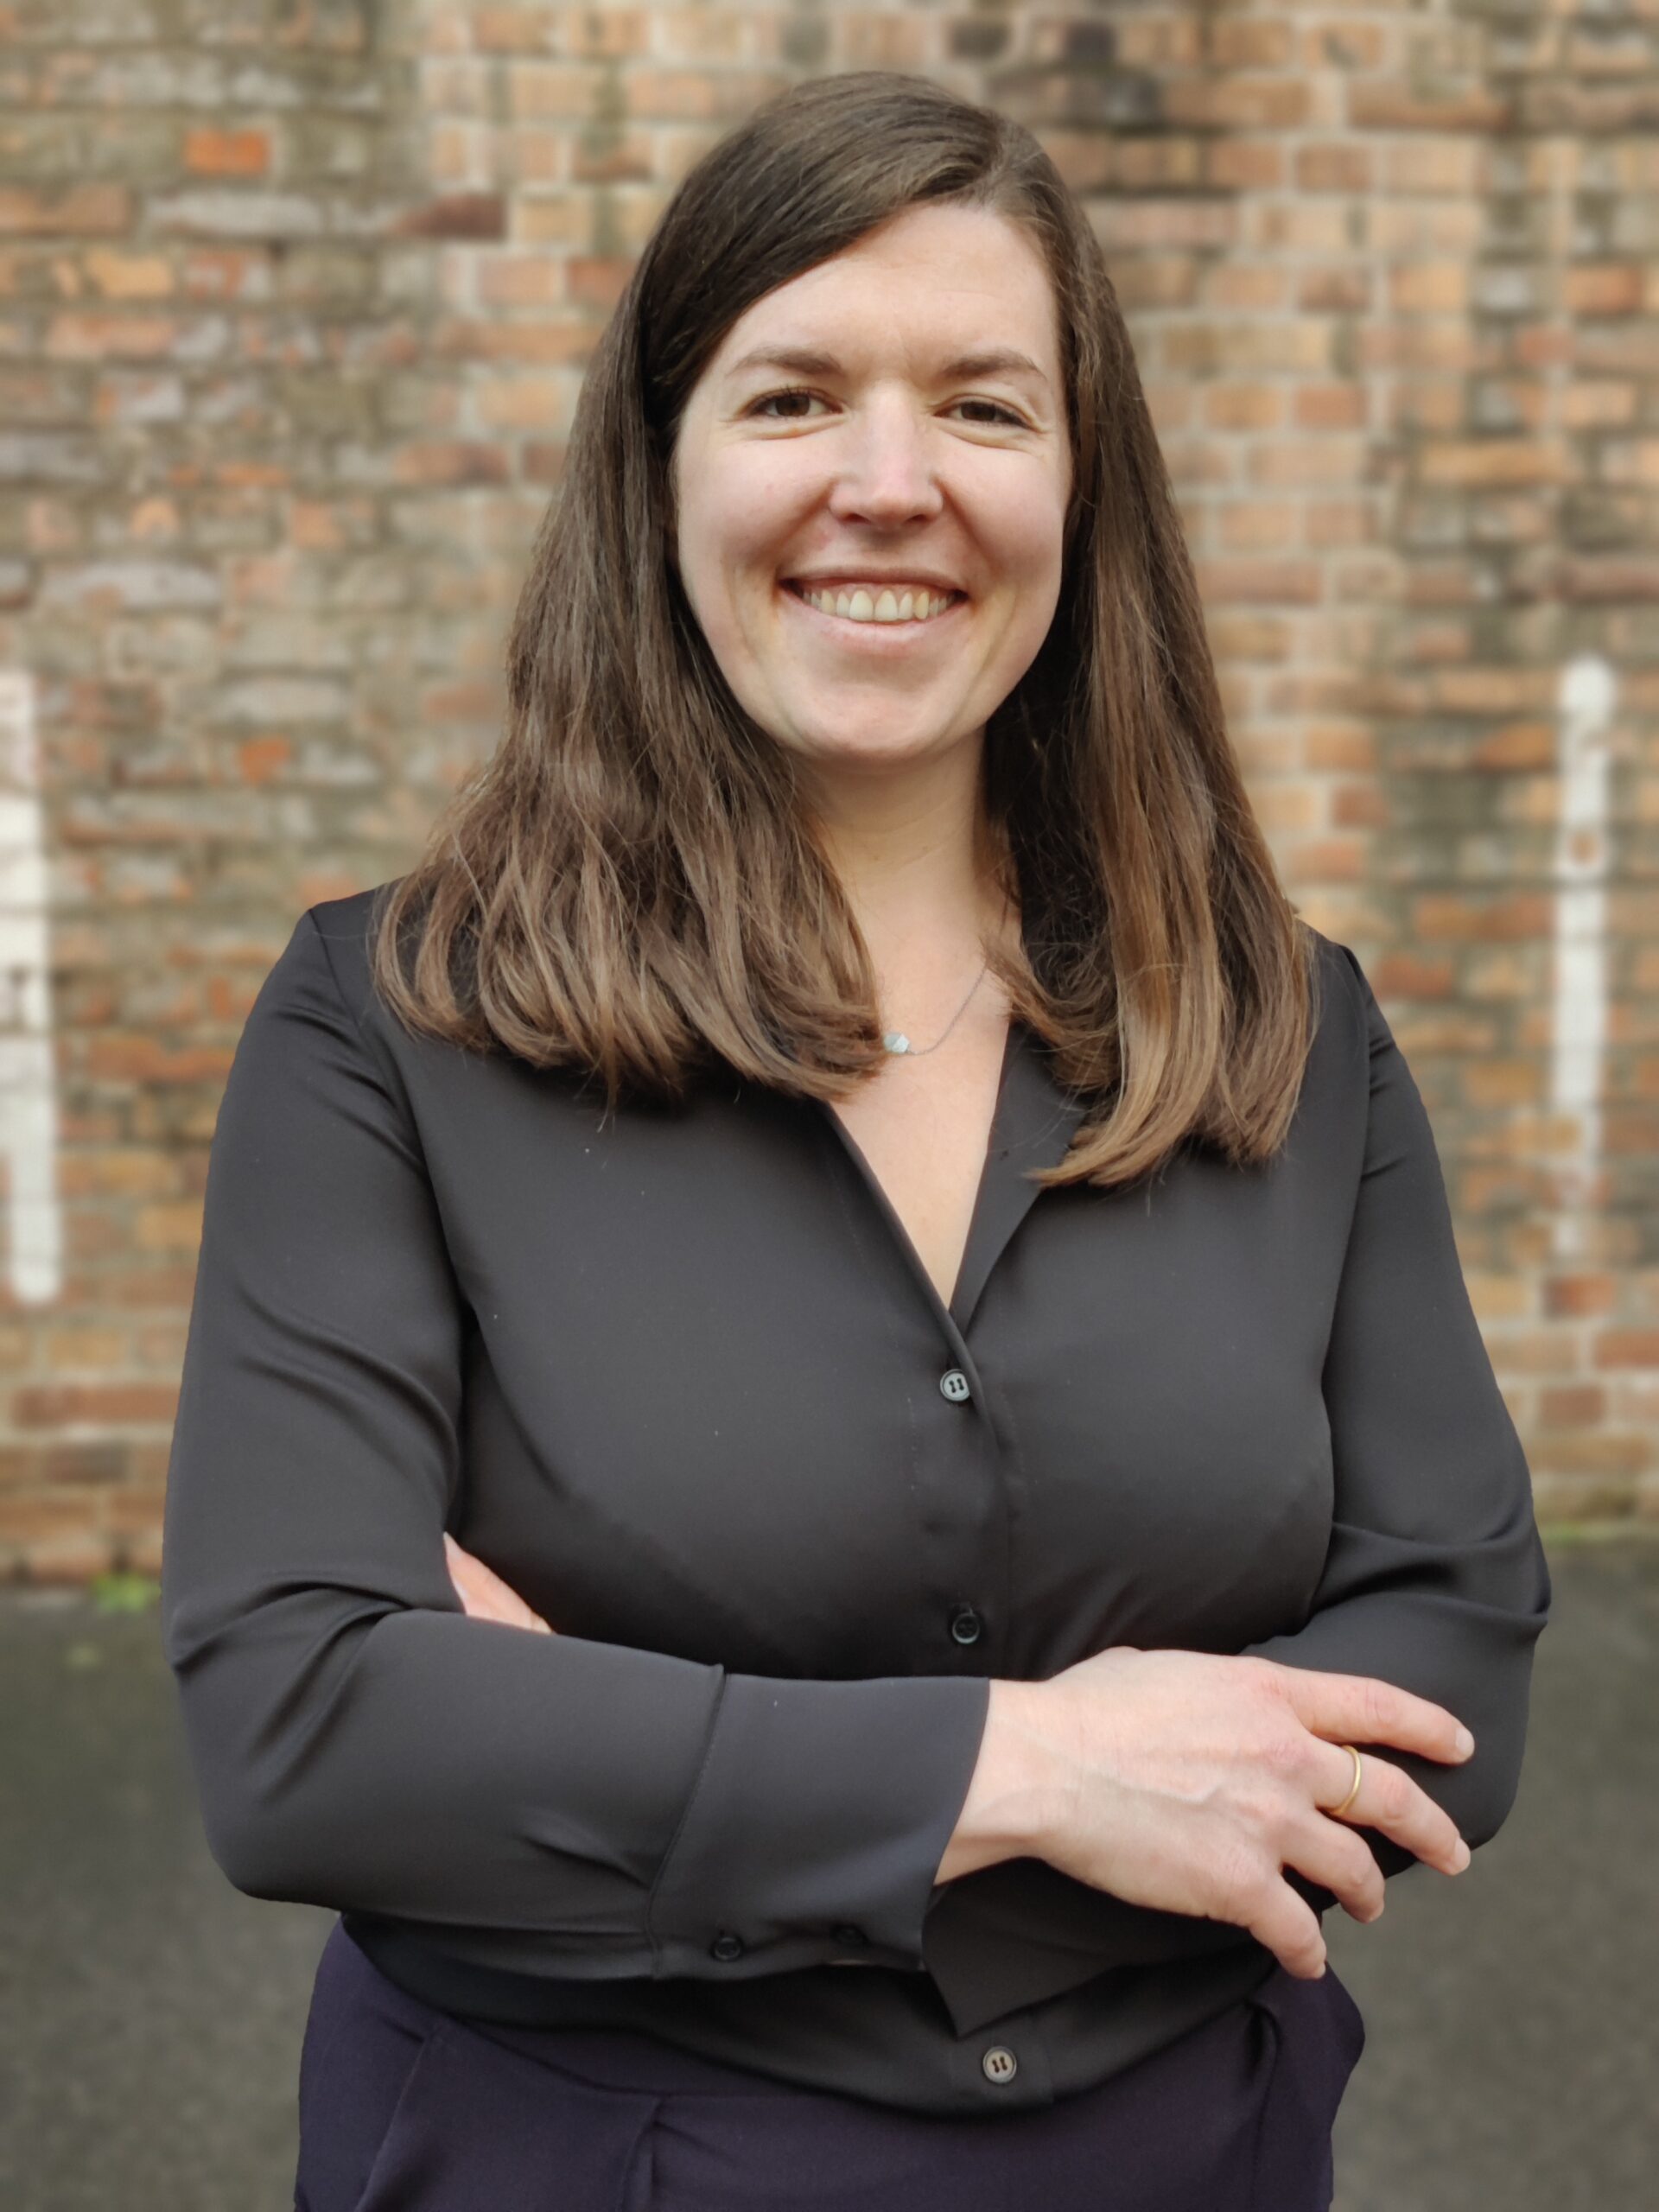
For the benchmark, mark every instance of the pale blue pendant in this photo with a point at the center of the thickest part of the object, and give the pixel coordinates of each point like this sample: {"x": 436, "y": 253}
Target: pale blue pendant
{"x": 896, "y": 1041}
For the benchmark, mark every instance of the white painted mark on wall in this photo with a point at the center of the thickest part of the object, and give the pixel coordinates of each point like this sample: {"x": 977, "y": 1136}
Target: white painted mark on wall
{"x": 29, "y": 1101}
{"x": 1585, "y": 701}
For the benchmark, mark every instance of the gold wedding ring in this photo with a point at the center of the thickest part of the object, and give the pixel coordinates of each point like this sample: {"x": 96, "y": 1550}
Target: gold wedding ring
{"x": 1335, "y": 1810}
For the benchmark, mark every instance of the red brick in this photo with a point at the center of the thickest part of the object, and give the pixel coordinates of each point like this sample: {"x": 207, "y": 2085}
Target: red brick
{"x": 1626, "y": 1348}
{"x": 227, "y": 153}
{"x": 66, "y": 211}
{"x": 59, "y": 1404}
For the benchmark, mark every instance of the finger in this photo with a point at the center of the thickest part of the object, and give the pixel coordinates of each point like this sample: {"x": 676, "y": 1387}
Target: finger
{"x": 456, "y": 1561}
{"x": 481, "y": 1592}
{"x": 1362, "y": 1709}
{"x": 478, "y": 1577}
{"x": 1289, "y": 1928}
{"x": 485, "y": 1595}
{"x": 459, "y": 1564}
{"x": 1329, "y": 1853}
{"x": 476, "y": 1601}
{"x": 1388, "y": 1799}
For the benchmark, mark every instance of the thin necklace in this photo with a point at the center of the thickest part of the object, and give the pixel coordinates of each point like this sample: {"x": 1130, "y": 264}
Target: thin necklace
{"x": 895, "y": 1039}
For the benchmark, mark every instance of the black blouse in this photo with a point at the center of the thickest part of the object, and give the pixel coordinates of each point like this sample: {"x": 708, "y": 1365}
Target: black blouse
{"x": 681, "y": 1378}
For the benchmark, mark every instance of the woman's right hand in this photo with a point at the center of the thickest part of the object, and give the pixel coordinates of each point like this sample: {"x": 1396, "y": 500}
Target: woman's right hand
{"x": 1188, "y": 1781}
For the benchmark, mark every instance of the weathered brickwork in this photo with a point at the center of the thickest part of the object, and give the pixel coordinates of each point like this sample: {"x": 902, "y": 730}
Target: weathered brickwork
{"x": 294, "y": 301}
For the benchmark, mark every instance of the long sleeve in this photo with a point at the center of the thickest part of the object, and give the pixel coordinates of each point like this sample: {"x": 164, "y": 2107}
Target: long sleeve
{"x": 1434, "y": 1580}
{"x": 357, "y": 1742}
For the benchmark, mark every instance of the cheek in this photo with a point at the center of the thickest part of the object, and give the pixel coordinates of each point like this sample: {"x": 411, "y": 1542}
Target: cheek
{"x": 1030, "y": 532}
{"x": 759, "y": 496}
{"x": 1042, "y": 559}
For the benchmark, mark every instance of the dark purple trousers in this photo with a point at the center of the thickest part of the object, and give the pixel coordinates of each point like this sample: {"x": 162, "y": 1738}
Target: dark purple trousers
{"x": 405, "y": 2109}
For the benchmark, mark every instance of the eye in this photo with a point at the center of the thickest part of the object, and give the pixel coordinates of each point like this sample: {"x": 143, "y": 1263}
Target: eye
{"x": 798, "y": 391}
{"x": 792, "y": 391}
{"x": 1005, "y": 414}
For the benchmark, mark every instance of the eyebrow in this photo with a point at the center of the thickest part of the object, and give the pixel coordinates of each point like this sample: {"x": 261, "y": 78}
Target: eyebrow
{"x": 989, "y": 361}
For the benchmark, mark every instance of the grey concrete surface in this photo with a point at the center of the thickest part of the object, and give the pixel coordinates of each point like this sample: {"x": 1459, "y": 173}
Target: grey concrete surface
{"x": 150, "y": 2016}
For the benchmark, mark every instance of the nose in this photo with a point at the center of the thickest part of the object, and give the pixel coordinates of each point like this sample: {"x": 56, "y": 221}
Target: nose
{"x": 885, "y": 473}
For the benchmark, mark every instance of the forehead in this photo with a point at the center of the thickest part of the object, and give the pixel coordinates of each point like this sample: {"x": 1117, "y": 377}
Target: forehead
{"x": 933, "y": 281}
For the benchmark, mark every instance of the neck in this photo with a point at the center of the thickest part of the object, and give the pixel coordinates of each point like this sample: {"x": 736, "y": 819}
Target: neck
{"x": 911, "y": 851}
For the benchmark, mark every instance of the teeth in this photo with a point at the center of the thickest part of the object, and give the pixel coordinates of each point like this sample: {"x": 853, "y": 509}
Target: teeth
{"x": 858, "y": 605}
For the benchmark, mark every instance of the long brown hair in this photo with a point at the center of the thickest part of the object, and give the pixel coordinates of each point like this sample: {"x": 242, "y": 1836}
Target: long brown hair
{"x": 630, "y": 884}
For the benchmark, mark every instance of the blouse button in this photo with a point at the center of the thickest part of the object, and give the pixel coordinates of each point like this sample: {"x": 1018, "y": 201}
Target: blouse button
{"x": 964, "y": 1625}
{"x": 726, "y": 1946}
{"x": 999, "y": 2063}
{"x": 955, "y": 1385}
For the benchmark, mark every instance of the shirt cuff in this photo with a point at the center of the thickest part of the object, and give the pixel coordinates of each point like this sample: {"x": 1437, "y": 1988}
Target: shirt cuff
{"x": 819, "y": 1815}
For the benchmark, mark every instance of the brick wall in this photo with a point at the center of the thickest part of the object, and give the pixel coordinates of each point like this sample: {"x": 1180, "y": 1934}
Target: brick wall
{"x": 294, "y": 301}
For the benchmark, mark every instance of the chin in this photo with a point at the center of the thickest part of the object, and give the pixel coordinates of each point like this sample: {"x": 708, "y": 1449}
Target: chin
{"x": 862, "y": 748}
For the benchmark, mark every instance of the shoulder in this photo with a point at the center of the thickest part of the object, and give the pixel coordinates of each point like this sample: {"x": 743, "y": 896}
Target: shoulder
{"x": 1375, "y": 1081}
{"x": 1339, "y": 991}
{"x": 344, "y": 930}
{"x": 1346, "y": 1007}
{"x": 327, "y": 961}
{"x": 1354, "y": 1070}
{"x": 317, "y": 998}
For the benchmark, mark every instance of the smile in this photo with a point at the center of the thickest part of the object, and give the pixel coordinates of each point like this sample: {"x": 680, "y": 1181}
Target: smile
{"x": 885, "y": 613}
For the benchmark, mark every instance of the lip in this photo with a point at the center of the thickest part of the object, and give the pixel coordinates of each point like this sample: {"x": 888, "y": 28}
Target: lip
{"x": 895, "y": 580}
{"x": 874, "y": 636}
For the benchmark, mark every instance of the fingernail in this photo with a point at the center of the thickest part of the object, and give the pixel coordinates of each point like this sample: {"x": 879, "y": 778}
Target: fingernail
{"x": 1460, "y": 1857}
{"x": 1466, "y": 1743}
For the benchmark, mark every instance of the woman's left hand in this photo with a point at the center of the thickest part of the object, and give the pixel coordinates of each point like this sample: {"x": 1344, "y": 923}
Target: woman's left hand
{"x": 485, "y": 1595}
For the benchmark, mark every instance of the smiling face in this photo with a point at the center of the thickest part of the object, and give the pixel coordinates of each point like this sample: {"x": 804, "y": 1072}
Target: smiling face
{"x": 914, "y": 481}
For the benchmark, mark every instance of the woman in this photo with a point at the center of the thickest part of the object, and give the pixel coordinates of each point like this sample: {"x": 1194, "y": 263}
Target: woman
{"x": 830, "y": 1338}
